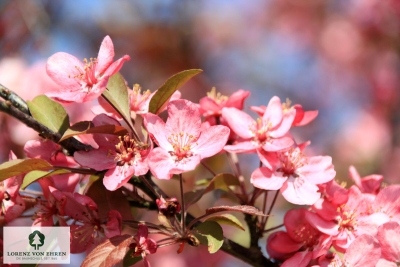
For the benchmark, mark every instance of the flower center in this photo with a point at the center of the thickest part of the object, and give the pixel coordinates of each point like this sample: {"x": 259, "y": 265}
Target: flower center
{"x": 348, "y": 219}
{"x": 286, "y": 106}
{"x": 182, "y": 144}
{"x": 260, "y": 130}
{"x": 138, "y": 97}
{"x": 291, "y": 160}
{"x": 87, "y": 75}
{"x": 218, "y": 97}
{"x": 128, "y": 151}
{"x": 307, "y": 235}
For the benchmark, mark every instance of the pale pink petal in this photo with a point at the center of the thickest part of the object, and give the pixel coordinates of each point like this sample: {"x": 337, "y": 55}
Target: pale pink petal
{"x": 318, "y": 170}
{"x": 388, "y": 201}
{"x": 66, "y": 182}
{"x": 259, "y": 110}
{"x": 211, "y": 141}
{"x": 62, "y": 69}
{"x": 305, "y": 117}
{"x": 183, "y": 117}
{"x": 273, "y": 114}
{"x": 236, "y": 100}
{"x": 68, "y": 97}
{"x": 239, "y": 121}
{"x": 116, "y": 66}
{"x": 269, "y": 159}
{"x": 363, "y": 252}
{"x": 13, "y": 207}
{"x": 284, "y": 126}
{"x": 278, "y": 144}
{"x": 300, "y": 192}
{"x": 105, "y": 56}
{"x": 160, "y": 163}
{"x": 156, "y": 129}
{"x": 96, "y": 90}
{"x": 389, "y": 236}
{"x": 385, "y": 263}
{"x": 300, "y": 259}
{"x": 264, "y": 178}
{"x": 242, "y": 147}
{"x": 97, "y": 159}
{"x": 118, "y": 176}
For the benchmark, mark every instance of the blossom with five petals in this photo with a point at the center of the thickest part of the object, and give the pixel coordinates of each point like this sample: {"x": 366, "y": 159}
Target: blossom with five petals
{"x": 82, "y": 82}
{"x": 268, "y": 133}
{"x": 183, "y": 141}
{"x": 143, "y": 245}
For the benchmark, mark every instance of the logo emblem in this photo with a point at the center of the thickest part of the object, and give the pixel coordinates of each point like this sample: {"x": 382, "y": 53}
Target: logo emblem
{"x": 36, "y": 239}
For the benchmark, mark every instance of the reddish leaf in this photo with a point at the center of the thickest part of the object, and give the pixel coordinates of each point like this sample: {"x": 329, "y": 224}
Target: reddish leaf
{"x": 87, "y": 127}
{"x": 109, "y": 253}
{"x": 244, "y": 209}
{"x": 109, "y": 200}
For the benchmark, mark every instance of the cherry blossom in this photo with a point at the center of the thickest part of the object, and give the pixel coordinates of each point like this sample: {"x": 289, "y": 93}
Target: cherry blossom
{"x": 389, "y": 236}
{"x": 143, "y": 245}
{"x": 182, "y": 140}
{"x": 121, "y": 156}
{"x": 267, "y": 133}
{"x": 82, "y": 82}
{"x": 295, "y": 175}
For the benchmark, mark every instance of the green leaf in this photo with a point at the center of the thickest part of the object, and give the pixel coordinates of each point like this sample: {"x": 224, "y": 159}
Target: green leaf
{"x": 117, "y": 95}
{"x": 37, "y": 174}
{"x": 87, "y": 127}
{"x": 160, "y": 98}
{"x": 49, "y": 113}
{"x": 109, "y": 253}
{"x": 84, "y": 188}
{"x": 221, "y": 181}
{"x": 129, "y": 260}
{"x": 210, "y": 234}
{"x": 21, "y": 166}
{"x": 228, "y": 219}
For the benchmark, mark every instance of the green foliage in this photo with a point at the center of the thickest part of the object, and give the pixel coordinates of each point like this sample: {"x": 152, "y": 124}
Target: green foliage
{"x": 210, "y": 233}
{"x": 21, "y": 166}
{"x": 49, "y": 113}
{"x": 164, "y": 93}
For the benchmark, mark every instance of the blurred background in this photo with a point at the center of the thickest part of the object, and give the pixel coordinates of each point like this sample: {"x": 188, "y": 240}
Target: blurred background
{"x": 338, "y": 57}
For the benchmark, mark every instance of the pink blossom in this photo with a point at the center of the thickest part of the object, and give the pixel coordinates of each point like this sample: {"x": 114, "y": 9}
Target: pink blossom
{"x": 295, "y": 175}
{"x": 143, "y": 245}
{"x": 121, "y": 156}
{"x": 301, "y": 243}
{"x": 389, "y": 236}
{"x": 267, "y": 133}
{"x": 370, "y": 184}
{"x": 88, "y": 229}
{"x": 182, "y": 140}
{"x": 213, "y": 103}
{"x": 302, "y": 117}
{"x": 82, "y": 82}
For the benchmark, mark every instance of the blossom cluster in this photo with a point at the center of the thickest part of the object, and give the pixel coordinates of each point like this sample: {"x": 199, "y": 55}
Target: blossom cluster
{"x": 361, "y": 222}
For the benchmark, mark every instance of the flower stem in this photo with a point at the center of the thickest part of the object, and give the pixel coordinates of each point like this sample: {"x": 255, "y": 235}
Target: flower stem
{"x": 208, "y": 168}
{"x": 270, "y": 208}
{"x": 182, "y": 204}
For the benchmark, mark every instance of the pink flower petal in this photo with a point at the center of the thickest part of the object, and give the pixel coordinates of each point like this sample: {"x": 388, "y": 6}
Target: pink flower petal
{"x": 105, "y": 56}
{"x": 300, "y": 259}
{"x": 300, "y": 192}
{"x": 273, "y": 114}
{"x": 211, "y": 141}
{"x": 118, "y": 176}
{"x": 282, "y": 243}
{"x": 236, "y": 100}
{"x": 62, "y": 68}
{"x": 239, "y": 122}
{"x": 156, "y": 129}
{"x": 363, "y": 252}
{"x": 284, "y": 126}
{"x": 242, "y": 147}
{"x": 389, "y": 236}
{"x": 278, "y": 144}
{"x": 183, "y": 117}
{"x": 97, "y": 159}
{"x": 264, "y": 178}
